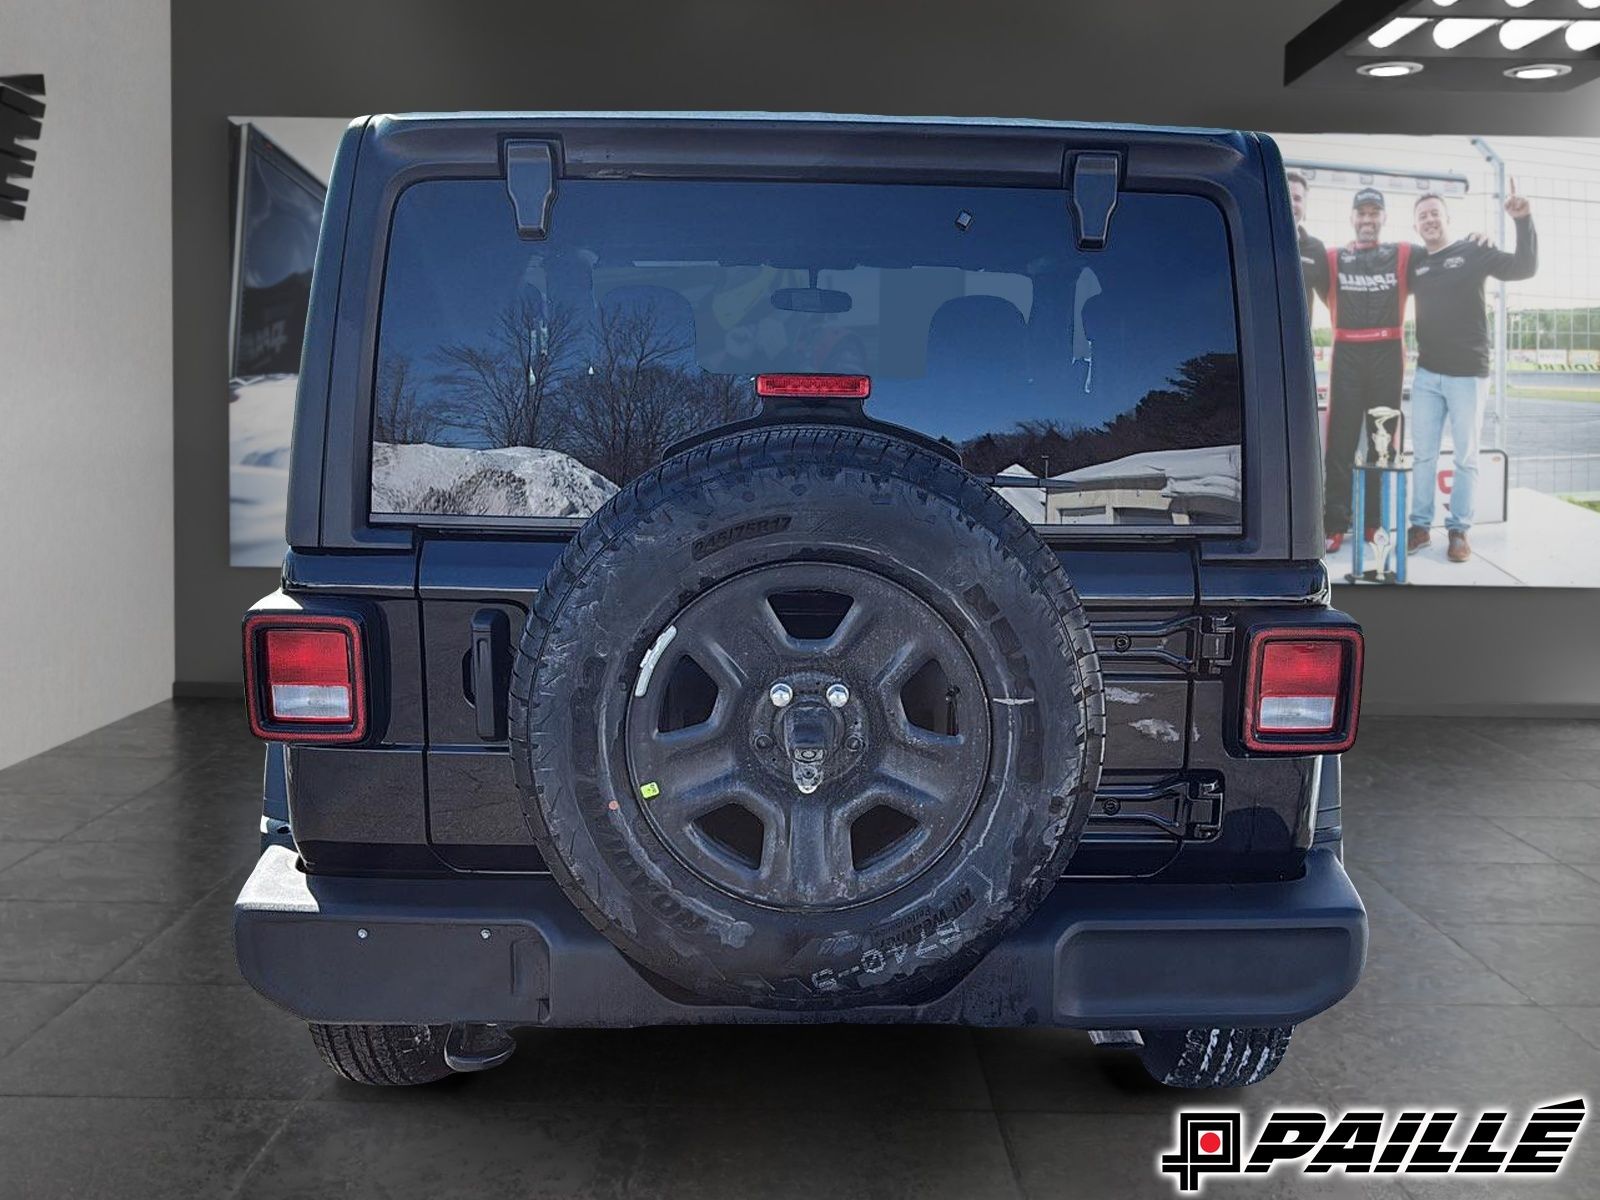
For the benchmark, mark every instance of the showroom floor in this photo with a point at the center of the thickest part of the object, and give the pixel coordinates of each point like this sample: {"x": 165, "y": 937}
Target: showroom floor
{"x": 134, "y": 1063}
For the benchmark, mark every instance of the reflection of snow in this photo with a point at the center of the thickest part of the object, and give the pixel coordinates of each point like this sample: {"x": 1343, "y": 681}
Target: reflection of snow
{"x": 516, "y": 481}
{"x": 1208, "y": 471}
{"x": 1026, "y": 500}
{"x": 260, "y": 419}
{"x": 1154, "y": 481}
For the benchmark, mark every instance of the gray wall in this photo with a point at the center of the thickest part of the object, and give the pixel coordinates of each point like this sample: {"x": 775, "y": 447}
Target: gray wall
{"x": 86, "y": 378}
{"x": 1216, "y": 63}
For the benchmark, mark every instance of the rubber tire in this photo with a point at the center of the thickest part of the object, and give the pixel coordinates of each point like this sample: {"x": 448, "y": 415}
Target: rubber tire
{"x": 384, "y": 1055}
{"x": 804, "y": 494}
{"x": 1213, "y": 1058}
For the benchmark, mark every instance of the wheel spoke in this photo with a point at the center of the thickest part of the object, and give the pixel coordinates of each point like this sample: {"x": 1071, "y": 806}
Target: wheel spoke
{"x": 807, "y": 858}
{"x": 717, "y": 659}
{"x": 858, "y": 622}
{"x": 904, "y": 661}
{"x": 677, "y": 807}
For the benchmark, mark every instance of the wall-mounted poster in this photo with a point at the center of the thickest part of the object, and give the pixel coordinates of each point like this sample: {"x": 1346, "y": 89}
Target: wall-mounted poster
{"x": 1453, "y": 286}
{"x": 1454, "y": 282}
{"x": 277, "y": 212}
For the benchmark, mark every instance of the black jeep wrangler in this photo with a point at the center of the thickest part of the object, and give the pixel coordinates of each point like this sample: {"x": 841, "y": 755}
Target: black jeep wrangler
{"x": 760, "y": 568}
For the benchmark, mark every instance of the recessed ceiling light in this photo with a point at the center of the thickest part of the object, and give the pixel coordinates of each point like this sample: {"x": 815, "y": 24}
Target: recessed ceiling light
{"x": 1584, "y": 35}
{"x": 1452, "y": 31}
{"x": 1389, "y": 70}
{"x": 1539, "y": 71}
{"x": 1396, "y": 29}
{"x": 1514, "y": 35}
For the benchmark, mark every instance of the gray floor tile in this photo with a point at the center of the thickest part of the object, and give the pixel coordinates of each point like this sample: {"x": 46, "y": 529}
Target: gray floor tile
{"x": 166, "y": 814}
{"x": 25, "y": 1008}
{"x": 1467, "y": 1055}
{"x": 442, "y": 1150}
{"x": 43, "y": 942}
{"x": 47, "y": 816}
{"x": 1409, "y": 961}
{"x": 1550, "y": 964}
{"x": 166, "y": 872}
{"x": 100, "y": 1149}
{"x": 1052, "y": 1070}
{"x": 196, "y": 948}
{"x": 1565, "y": 839}
{"x": 1425, "y": 838}
{"x": 1582, "y": 1019}
{"x": 1525, "y": 893}
{"x": 187, "y": 1041}
{"x": 1480, "y": 797}
{"x": 73, "y": 773}
{"x": 1097, "y": 1155}
{"x": 14, "y": 850}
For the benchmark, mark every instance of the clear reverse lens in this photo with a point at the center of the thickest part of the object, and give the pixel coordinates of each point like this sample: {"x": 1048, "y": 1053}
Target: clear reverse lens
{"x": 310, "y": 702}
{"x": 1299, "y": 713}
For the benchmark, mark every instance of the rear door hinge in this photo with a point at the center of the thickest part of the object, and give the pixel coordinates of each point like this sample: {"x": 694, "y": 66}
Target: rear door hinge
{"x": 1215, "y": 650}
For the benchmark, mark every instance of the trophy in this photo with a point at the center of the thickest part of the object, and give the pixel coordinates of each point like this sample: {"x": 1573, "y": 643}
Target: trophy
{"x": 1379, "y": 450}
{"x": 1383, "y": 435}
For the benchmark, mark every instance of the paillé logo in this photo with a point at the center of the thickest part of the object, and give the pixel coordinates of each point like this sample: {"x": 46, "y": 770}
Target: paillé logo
{"x": 1368, "y": 1141}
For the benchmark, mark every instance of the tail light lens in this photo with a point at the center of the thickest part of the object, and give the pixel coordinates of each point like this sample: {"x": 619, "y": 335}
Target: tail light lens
{"x": 1302, "y": 691}
{"x": 305, "y": 677}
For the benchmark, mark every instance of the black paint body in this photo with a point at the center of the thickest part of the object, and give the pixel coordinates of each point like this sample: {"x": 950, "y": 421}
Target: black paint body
{"x": 429, "y": 797}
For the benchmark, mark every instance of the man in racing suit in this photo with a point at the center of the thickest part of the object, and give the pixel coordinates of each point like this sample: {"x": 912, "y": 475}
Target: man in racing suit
{"x": 1364, "y": 287}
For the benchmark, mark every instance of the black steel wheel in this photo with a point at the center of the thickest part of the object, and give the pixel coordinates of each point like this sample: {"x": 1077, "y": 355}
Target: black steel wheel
{"x": 809, "y": 735}
{"x": 806, "y": 718}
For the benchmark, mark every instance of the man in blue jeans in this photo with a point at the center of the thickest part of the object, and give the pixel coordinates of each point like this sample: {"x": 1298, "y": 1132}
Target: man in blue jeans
{"x": 1447, "y": 278}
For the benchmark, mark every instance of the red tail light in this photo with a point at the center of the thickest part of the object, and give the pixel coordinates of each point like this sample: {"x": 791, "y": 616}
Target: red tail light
{"x": 305, "y": 677}
{"x": 815, "y": 387}
{"x": 1302, "y": 691}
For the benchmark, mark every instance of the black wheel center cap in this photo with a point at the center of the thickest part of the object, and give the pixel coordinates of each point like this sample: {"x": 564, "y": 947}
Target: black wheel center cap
{"x": 808, "y": 735}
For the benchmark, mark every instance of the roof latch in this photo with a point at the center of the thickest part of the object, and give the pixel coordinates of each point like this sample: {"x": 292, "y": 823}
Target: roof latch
{"x": 1094, "y": 196}
{"x": 531, "y": 180}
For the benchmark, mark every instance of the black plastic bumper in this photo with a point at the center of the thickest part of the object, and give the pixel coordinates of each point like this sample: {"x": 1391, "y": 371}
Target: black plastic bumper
{"x": 516, "y": 952}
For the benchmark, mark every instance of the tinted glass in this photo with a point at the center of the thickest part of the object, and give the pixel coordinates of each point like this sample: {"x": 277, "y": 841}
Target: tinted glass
{"x": 532, "y": 378}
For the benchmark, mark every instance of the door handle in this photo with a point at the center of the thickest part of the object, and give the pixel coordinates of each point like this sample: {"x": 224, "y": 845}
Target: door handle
{"x": 491, "y": 671}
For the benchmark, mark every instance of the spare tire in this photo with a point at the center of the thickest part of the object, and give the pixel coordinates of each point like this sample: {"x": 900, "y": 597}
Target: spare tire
{"x": 806, "y": 718}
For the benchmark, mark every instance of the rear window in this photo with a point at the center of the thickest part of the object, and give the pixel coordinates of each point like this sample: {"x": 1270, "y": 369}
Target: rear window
{"x": 532, "y": 379}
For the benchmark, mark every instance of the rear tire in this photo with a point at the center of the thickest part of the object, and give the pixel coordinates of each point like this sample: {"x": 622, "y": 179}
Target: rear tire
{"x": 1213, "y": 1058}
{"x": 384, "y": 1055}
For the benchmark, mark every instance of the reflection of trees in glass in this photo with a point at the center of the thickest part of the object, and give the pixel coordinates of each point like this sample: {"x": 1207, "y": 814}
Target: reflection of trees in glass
{"x": 501, "y": 387}
{"x": 641, "y": 392}
{"x": 1200, "y": 407}
{"x": 399, "y": 416}
{"x": 613, "y": 392}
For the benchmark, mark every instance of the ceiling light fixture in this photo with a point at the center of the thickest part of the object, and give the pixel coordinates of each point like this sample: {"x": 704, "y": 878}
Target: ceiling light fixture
{"x": 1514, "y": 35}
{"x": 1395, "y": 30}
{"x": 1389, "y": 70}
{"x": 1535, "y": 71}
{"x": 1455, "y": 31}
{"x": 1451, "y": 45}
{"x": 1584, "y": 35}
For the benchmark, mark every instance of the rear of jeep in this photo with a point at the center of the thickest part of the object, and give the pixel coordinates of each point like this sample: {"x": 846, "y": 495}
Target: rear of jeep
{"x": 802, "y": 569}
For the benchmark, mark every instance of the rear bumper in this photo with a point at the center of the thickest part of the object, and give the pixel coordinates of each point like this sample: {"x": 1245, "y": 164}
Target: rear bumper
{"x": 516, "y": 952}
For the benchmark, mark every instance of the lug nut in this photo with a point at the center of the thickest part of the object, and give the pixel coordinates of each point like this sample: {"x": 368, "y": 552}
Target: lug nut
{"x": 780, "y": 695}
{"x": 853, "y": 743}
{"x": 838, "y": 695}
{"x": 763, "y": 742}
